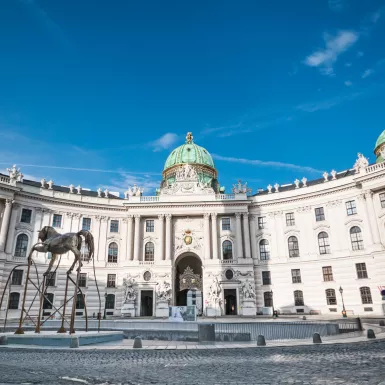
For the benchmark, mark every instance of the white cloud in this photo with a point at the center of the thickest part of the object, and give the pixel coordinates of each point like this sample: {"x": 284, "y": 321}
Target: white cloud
{"x": 274, "y": 164}
{"x": 337, "y": 5}
{"x": 348, "y": 83}
{"x": 147, "y": 181}
{"x": 164, "y": 142}
{"x": 325, "y": 58}
{"x": 367, "y": 73}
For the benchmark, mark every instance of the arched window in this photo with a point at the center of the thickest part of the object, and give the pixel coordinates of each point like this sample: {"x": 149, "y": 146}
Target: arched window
{"x": 21, "y": 245}
{"x": 298, "y": 298}
{"x": 110, "y": 301}
{"x": 323, "y": 243}
{"x": 331, "y": 298}
{"x": 14, "y": 301}
{"x": 227, "y": 250}
{"x": 113, "y": 253}
{"x": 149, "y": 251}
{"x": 80, "y": 301}
{"x": 293, "y": 247}
{"x": 48, "y": 301}
{"x": 356, "y": 238}
{"x": 264, "y": 249}
{"x": 268, "y": 298}
{"x": 366, "y": 295}
{"x": 85, "y": 254}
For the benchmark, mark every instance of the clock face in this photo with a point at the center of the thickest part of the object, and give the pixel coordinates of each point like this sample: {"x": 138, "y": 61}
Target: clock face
{"x": 188, "y": 239}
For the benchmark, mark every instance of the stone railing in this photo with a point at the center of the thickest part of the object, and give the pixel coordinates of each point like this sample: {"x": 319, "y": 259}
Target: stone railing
{"x": 224, "y": 197}
{"x": 227, "y": 261}
{"x": 375, "y": 167}
{"x": 5, "y": 179}
{"x": 146, "y": 263}
{"x": 149, "y": 199}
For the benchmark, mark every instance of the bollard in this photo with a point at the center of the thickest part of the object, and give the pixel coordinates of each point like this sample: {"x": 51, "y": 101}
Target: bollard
{"x": 371, "y": 333}
{"x": 382, "y": 323}
{"x": 74, "y": 343}
{"x": 3, "y": 340}
{"x": 261, "y": 341}
{"x": 317, "y": 338}
{"x": 137, "y": 343}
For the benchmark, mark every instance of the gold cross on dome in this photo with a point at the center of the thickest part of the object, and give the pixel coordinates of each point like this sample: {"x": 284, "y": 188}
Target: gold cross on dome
{"x": 189, "y": 137}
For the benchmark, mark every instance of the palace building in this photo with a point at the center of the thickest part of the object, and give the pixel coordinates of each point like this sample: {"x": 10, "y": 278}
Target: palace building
{"x": 310, "y": 247}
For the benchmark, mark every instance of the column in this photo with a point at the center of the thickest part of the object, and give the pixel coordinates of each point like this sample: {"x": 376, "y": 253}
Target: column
{"x": 37, "y": 226}
{"x": 161, "y": 237}
{"x": 103, "y": 253}
{"x": 96, "y": 234}
{"x": 246, "y": 233}
{"x": 214, "y": 233}
{"x": 11, "y": 229}
{"x": 238, "y": 235}
{"x": 137, "y": 238}
{"x": 123, "y": 232}
{"x": 206, "y": 230}
{"x": 129, "y": 237}
{"x": 168, "y": 237}
{"x": 5, "y": 223}
{"x": 372, "y": 217}
{"x": 253, "y": 240}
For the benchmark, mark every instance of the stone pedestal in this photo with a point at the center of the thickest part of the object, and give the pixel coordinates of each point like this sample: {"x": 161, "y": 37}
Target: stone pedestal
{"x": 249, "y": 308}
{"x": 161, "y": 310}
{"x": 128, "y": 309}
{"x": 212, "y": 311}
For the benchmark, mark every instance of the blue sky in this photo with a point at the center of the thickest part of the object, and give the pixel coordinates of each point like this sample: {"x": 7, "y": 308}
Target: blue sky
{"x": 275, "y": 90}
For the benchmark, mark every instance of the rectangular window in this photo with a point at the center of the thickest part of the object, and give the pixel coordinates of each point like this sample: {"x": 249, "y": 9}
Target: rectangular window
{"x": 114, "y": 226}
{"x": 262, "y": 222}
{"x": 266, "y": 278}
{"x": 296, "y": 275}
{"x": 319, "y": 214}
{"x": 382, "y": 200}
{"x": 51, "y": 279}
{"x": 150, "y": 226}
{"x": 361, "y": 270}
{"x": 290, "y": 221}
{"x": 86, "y": 224}
{"x": 17, "y": 277}
{"x": 298, "y": 298}
{"x": 56, "y": 222}
{"x": 327, "y": 273}
{"x": 331, "y": 298}
{"x": 226, "y": 224}
{"x": 111, "y": 280}
{"x": 351, "y": 208}
{"x": 26, "y": 216}
{"x": 83, "y": 280}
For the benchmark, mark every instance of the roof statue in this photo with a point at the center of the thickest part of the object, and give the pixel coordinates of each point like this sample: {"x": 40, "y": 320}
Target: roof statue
{"x": 15, "y": 175}
{"x": 361, "y": 163}
{"x": 240, "y": 188}
{"x": 189, "y": 137}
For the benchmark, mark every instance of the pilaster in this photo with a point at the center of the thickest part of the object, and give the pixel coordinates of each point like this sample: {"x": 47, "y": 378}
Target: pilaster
{"x": 253, "y": 239}
{"x": 168, "y": 237}
{"x": 206, "y": 229}
{"x": 160, "y": 253}
{"x": 238, "y": 235}
{"x": 246, "y": 233}
{"x": 11, "y": 228}
{"x": 129, "y": 237}
{"x": 5, "y": 223}
{"x": 214, "y": 233}
{"x": 137, "y": 238}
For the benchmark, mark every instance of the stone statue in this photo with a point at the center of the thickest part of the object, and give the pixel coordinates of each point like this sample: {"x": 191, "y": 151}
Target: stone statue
{"x": 163, "y": 292}
{"x": 248, "y": 290}
{"x": 215, "y": 292}
{"x": 134, "y": 191}
{"x": 14, "y": 174}
{"x": 382, "y": 152}
{"x": 240, "y": 188}
{"x": 130, "y": 293}
{"x": 361, "y": 163}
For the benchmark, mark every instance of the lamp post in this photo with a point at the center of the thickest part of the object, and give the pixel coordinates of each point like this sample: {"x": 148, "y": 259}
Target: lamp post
{"x": 272, "y": 302}
{"x": 105, "y": 305}
{"x": 343, "y": 304}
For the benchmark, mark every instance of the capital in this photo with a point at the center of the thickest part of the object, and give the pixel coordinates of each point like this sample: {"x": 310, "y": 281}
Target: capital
{"x": 8, "y": 202}
{"x": 238, "y": 215}
{"x": 368, "y": 194}
{"x": 168, "y": 217}
{"x": 160, "y": 217}
{"x": 206, "y": 215}
{"x": 245, "y": 215}
{"x": 214, "y": 215}
{"x": 137, "y": 217}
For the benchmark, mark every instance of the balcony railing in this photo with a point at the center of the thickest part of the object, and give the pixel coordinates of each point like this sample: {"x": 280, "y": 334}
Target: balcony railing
{"x": 5, "y": 179}
{"x": 224, "y": 197}
{"x": 149, "y": 199}
{"x": 375, "y": 167}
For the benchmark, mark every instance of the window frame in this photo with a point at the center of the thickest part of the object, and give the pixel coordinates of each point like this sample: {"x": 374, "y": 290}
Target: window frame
{"x": 83, "y": 277}
{"x": 51, "y": 279}
{"x": 366, "y": 295}
{"x": 108, "y": 301}
{"x": 111, "y": 256}
{"x": 327, "y": 273}
{"x": 86, "y": 227}
{"x": 46, "y": 304}
{"x": 323, "y": 243}
{"x": 19, "y": 282}
{"x": 361, "y": 271}
{"x": 290, "y": 240}
{"x": 262, "y": 223}
{"x": 12, "y": 300}
{"x": 357, "y": 244}
{"x": 331, "y": 297}
{"x": 266, "y": 277}
{"x": 114, "y": 223}
{"x": 290, "y": 219}
{"x": 298, "y": 298}
{"x": 264, "y": 249}
{"x": 267, "y": 299}
{"x": 80, "y": 301}
{"x": 319, "y": 214}
{"x": 382, "y": 200}
{"x": 296, "y": 276}
{"x": 227, "y": 250}
{"x": 150, "y": 226}
{"x": 226, "y": 226}
{"x": 54, "y": 221}
{"x": 21, "y": 249}
{"x": 149, "y": 254}
{"x": 111, "y": 280}
{"x": 23, "y": 210}
{"x": 351, "y": 207}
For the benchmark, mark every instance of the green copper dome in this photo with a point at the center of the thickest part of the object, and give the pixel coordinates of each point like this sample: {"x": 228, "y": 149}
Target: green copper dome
{"x": 380, "y": 142}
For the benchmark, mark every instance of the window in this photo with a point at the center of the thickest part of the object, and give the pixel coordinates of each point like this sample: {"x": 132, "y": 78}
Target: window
{"x": 48, "y": 301}
{"x": 262, "y": 223}
{"x": 56, "y": 222}
{"x": 298, "y": 298}
{"x": 150, "y": 226}
{"x": 111, "y": 280}
{"x": 323, "y": 243}
{"x": 327, "y": 273}
{"x": 226, "y": 224}
{"x": 85, "y": 254}
{"x": 293, "y": 247}
{"x": 113, "y": 253}
{"x": 51, "y": 279}
{"x": 351, "y": 208}
{"x": 13, "y": 303}
{"x": 361, "y": 270}
{"x": 110, "y": 301}
{"x": 266, "y": 278}
{"x": 296, "y": 275}
{"x": 17, "y": 277}
{"x": 319, "y": 214}
{"x": 366, "y": 296}
{"x": 227, "y": 250}
{"x": 86, "y": 224}
{"x": 26, "y": 216}
{"x": 114, "y": 226}
{"x": 149, "y": 251}
{"x": 264, "y": 249}
{"x": 356, "y": 238}
{"x": 21, "y": 245}
{"x": 382, "y": 200}
{"x": 83, "y": 280}
{"x": 80, "y": 301}
{"x": 290, "y": 220}
{"x": 331, "y": 298}
{"x": 268, "y": 298}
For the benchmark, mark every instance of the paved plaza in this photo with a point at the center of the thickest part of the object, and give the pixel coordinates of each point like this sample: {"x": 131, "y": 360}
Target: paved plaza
{"x": 361, "y": 363}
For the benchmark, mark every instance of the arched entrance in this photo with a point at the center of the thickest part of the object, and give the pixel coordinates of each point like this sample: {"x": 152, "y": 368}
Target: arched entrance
{"x": 187, "y": 279}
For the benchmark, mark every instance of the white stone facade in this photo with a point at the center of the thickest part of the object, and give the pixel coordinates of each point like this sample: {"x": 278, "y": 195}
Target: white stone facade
{"x": 261, "y": 227}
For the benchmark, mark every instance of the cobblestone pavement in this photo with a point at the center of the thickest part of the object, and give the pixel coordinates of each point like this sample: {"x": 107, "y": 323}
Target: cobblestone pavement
{"x": 354, "y": 364}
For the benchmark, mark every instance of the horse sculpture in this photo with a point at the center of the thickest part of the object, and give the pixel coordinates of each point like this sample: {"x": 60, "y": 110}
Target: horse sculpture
{"x": 57, "y": 244}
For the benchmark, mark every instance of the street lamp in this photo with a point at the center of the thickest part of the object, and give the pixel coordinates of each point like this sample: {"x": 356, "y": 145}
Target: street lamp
{"x": 343, "y": 304}
{"x": 272, "y": 302}
{"x": 105, "y": 305}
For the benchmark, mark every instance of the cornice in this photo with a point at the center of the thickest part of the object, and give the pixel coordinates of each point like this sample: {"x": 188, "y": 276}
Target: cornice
{"x": 186, "y": 205}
